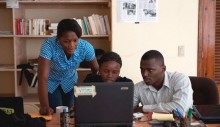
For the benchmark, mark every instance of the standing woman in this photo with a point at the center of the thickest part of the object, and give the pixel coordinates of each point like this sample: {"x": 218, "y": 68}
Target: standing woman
{"x": 59, "y": 58}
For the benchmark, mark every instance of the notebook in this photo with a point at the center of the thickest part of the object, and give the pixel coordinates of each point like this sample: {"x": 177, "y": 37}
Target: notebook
{"x": 207, "y": 113}
{"x": 104, "y": 104}
{"x": 12, "y": 105}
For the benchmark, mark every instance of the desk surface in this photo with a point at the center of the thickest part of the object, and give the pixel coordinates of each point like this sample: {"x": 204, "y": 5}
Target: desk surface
{"x": 55, "y": 123}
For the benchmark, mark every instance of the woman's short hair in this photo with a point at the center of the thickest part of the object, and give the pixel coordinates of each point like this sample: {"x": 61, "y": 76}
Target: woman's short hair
{"x": 110, "y": 56}
{"x": 67, "y": 25}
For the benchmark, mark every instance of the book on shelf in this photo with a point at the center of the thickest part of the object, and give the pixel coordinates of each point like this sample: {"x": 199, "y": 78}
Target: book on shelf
{"x": 18, "y": 29}
{"x": 100, "y": 23}
{"x": 32, "y": 26}
{"x": 88, "y": 25}
{"x": 102, "y": 20}
{"x": 30, "y": 22}
{"x": 85, "y": 27}
{"x": 107, "y": 24}
{"x": 54, "y": 24}
{"x": 42, "y": 28}
{"x": 97, "y": 24}
{"x": 6, "y": 32}
{"x": 53, "y": 29}
{"x": 47, "y": 24}
{"x": 92, "y": 25}
{"x": 79, "y": 21}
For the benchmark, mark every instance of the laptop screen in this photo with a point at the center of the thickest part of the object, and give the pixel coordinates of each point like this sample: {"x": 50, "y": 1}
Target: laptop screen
{"x": 207, "y": 113}
{"x": 104, "y": 103}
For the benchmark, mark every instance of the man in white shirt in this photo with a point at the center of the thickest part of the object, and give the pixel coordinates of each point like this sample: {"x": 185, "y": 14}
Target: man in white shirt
{"x": 161, "y": 91}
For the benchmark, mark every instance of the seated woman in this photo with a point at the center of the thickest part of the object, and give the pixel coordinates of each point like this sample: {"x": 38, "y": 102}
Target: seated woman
{"x": 109, "y": 69}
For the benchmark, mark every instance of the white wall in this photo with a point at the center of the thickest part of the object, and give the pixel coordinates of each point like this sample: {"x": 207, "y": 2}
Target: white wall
{"x": 177, "y": 26}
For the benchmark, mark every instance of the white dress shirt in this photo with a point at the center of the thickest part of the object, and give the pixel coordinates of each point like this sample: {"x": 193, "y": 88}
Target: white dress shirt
{"x": 176, "y": 92}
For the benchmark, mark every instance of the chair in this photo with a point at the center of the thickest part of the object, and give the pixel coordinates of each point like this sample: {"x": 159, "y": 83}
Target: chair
{"x": 205, "y": 91}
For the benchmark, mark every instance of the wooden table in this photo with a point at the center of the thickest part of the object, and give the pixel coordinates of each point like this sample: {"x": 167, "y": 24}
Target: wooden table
{"x": 55, "y": 123}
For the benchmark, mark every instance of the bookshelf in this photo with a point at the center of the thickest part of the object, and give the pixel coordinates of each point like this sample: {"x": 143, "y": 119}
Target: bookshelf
{"x": 18, "y": 49}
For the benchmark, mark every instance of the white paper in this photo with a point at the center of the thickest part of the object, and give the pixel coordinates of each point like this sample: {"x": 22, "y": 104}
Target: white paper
{"x": 12, "y": 4}
{"x": 162, "y": 117}
{"x": 137, "y": 10}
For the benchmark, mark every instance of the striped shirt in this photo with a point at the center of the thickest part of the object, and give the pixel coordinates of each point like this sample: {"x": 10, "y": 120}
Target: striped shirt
{"x": 62, "y": 70}
{"x": 176, "y": 92}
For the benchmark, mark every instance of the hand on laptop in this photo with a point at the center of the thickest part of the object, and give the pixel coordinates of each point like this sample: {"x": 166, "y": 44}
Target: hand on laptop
{"x": 46, "y": 110}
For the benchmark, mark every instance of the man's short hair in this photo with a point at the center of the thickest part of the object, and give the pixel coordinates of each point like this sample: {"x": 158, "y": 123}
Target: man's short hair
{"x": 153, "y": 54}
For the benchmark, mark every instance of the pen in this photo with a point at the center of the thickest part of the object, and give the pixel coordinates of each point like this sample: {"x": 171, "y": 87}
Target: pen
{"x": 179, "y": 113}
{"x": 190, "y": 113}
{"x": 175, "y": 115}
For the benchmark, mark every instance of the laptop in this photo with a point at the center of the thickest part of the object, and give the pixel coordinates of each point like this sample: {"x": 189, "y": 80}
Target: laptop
{"x": 104, "y": 104}
{"x": 12, "y": 105}
{"x": 207, "y": 113}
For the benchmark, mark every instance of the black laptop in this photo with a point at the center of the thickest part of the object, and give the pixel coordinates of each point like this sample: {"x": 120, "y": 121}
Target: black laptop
{"x": 12, "y": 105}
{"x": 207, "y": 113}
{"x": 104, "y": 104}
